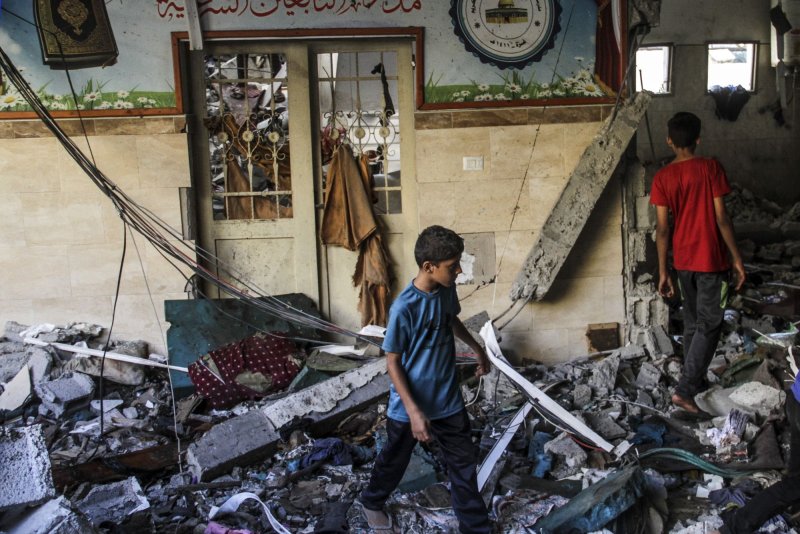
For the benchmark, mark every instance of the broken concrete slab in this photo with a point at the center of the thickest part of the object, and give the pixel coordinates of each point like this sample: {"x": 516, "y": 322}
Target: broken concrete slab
{"x": 25, "y": 470}
{"x": 657, "y": 342}
{"x": 581, "y": 396}
{"x": 604, "y": 375}
{"x": 39, "y": 363}
{"x": 597, "y": 505}
{"x": 16, "y": 391}
{"x": 755, "y": 397}
{"x": 11, "y": 362}
{"x": 13, "y": 330}
{"x": 113, "y": 502}
{"x": 53, "y": 517}
{"x": 572, "y": 210}
{"x": 571, "y": 456}
{"x": 67, "y": 394}
{"x": 630, "y": 352}
{"x": 254, "y": 435}
{"x": 648, "y": 377}
{"x": 605, "y": 426}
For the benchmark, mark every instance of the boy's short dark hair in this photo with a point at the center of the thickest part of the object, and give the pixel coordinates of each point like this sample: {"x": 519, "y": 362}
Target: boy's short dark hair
{"x": 437, "y": 243}
{"x": 684, "y": 129}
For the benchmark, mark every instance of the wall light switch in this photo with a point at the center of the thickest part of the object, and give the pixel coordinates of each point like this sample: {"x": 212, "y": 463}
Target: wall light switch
{"x": 473, "y": 163}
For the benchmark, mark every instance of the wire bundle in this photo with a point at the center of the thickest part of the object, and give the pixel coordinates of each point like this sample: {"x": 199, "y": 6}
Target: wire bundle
{"x": 165, "y": 239}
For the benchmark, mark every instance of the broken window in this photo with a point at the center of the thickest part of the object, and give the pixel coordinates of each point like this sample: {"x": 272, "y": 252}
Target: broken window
{"x": 731, "y": 65}
{"x": 247, "y": 119}
{"x": 358, "y": 102}
{"x": 654, "y": 69}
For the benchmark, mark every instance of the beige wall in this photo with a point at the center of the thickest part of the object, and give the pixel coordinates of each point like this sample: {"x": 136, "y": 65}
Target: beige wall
{"x": 61, "y": 238}
{"x": 589, "y": 288}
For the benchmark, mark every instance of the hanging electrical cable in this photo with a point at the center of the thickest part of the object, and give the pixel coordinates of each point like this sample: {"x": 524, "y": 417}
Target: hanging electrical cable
{"x": 163, "y": 237}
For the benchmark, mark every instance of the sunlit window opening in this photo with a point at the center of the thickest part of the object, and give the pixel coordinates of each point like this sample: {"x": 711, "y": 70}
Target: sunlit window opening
{"x": 731, "y": 64}
{"x": 653, "y": 69}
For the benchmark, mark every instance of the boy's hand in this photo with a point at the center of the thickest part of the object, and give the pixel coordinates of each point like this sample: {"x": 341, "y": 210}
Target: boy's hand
{"x": 484, "y": 366}
{"x": 738, "y": 274}
{"x": 665, "y": 287}
{"x": 420, "y": 426}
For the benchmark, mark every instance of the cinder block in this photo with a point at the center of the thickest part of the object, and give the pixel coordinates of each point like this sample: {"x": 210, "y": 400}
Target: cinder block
{"x": 66, "y": 394}
{"x": 25, "y": 468}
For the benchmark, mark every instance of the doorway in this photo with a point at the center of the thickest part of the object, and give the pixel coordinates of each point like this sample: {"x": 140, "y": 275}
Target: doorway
{"x": 268, "y": 114}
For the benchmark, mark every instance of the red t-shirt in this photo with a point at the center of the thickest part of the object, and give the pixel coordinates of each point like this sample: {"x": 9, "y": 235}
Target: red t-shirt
{"x": 688, "y": 189}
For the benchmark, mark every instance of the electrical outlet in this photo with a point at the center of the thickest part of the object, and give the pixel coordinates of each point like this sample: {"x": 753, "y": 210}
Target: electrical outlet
{"x": 473, "y": 163}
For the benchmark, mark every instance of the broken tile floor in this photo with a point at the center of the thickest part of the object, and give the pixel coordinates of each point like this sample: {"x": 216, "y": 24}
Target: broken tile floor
{"x": 612, "y": 454}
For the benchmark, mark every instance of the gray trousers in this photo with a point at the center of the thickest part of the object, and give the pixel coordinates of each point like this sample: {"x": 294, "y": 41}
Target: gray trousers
{"x": 705, "y": 296}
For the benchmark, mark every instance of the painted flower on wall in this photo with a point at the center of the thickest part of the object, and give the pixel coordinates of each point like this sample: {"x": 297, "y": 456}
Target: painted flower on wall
{"x": 91, "y": 96}
{"x": 10, "y": 100}
{"x": 513, "y": 86}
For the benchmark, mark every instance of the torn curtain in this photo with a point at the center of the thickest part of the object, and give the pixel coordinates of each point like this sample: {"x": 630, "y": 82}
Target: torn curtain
{"x": 348, "y": 221}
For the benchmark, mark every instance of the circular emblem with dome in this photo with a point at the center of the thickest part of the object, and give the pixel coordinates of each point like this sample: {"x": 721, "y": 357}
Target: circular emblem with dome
{"x": 506, "y": 33}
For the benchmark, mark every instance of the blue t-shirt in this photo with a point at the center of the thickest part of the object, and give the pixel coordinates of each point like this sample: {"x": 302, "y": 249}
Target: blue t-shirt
{"x": 420, "y": 329}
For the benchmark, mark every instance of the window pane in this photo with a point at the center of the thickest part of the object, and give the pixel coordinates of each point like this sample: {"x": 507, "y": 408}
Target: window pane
{"x": 358, "y": 102}
{"x": 247, "y": 120}
{"x": 731, "y": 64}
{"x": 653, "y": 69}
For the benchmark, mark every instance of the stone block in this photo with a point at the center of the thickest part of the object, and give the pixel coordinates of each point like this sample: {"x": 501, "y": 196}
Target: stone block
{"x": 757, "y": 398}
{"x": 114, "y": 502}
{"x": 66, "y": 394}
{"x": 25, "y": 470}
{"x": 648, "y": 376}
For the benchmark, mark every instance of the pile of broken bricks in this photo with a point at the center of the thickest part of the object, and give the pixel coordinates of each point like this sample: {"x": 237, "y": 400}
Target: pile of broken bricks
{"x": 588, "y": 445}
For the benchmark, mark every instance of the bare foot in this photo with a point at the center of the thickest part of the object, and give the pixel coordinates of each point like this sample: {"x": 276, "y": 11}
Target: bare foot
{"x": 687, "y": 405}
{"x": 377, "y": 519}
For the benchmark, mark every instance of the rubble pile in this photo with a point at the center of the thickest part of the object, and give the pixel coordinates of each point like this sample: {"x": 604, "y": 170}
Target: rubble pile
{"x": 294, "y": 459}
{"x": 768, "y": 235}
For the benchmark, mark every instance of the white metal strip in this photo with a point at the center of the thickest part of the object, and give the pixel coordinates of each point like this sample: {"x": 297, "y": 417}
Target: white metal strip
{"x": 499, "y": 447}
{"x": 535, "y": 394}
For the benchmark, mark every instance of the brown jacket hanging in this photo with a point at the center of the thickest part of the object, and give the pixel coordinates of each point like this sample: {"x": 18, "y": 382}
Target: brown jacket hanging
{"x": 347, "y": 217}
{"x": 348, "y": 221}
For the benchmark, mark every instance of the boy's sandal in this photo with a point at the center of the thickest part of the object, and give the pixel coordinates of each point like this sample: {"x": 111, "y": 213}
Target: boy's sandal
{"x": 387, "y": 527}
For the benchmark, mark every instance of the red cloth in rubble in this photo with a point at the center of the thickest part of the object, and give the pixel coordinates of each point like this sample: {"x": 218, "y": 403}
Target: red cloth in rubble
{"x": 215, "y": 374}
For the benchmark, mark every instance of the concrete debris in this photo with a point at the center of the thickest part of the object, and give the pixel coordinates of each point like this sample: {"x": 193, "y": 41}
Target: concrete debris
{"x": 16, "y": 392}
{"x": 754, "y": 397}
{"x": 604, "y": 375}
{"x": 255, "y": 435}
{"x": 571, "y": 457}
{"x": 620, "y": 397}
{"x": 571, "y": 211}
{"x": 25, "y": 470}
{"x": 657, "y": 342}
{"x": 53, "y": 517}
{"x": 648, "y": 376}
{"x": 65, "y": 395}
{"x": 116, "y": 371}
{"x": 112, "y": 503}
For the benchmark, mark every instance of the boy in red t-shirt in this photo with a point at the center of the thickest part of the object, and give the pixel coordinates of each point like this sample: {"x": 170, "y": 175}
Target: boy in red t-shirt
{"x": 692, "y": 189}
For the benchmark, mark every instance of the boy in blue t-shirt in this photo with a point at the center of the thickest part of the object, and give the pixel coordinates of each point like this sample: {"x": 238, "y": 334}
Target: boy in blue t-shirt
{"x": 425, "y": 401}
